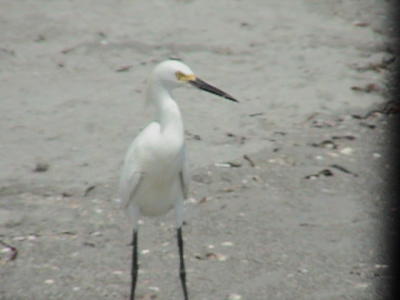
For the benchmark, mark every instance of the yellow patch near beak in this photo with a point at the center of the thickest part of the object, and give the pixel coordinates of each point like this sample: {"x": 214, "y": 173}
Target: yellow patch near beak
{"x": 185, "y": 78}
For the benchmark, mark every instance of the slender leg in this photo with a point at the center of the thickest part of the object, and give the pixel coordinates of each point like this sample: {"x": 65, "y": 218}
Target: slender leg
{"x": 135, "y": 266}
{"x": 182, "y": 272}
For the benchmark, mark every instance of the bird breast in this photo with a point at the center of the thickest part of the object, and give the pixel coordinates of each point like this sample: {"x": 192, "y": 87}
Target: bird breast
{"x": 162, "y": 156}
{"x": 161, "y": 160}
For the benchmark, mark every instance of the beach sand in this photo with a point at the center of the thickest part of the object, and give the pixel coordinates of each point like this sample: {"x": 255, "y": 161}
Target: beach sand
{"x": 286, "y": 186}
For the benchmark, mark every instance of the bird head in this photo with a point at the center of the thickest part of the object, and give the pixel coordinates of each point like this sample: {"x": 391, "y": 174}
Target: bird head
{"x": 173, "y": 74}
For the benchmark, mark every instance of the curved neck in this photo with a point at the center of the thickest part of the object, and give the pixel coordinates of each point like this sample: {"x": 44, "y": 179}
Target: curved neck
{"x": 168, "y": 114}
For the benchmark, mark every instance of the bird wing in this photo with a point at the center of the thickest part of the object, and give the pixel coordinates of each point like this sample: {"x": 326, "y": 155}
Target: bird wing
{"x": 132, "y": 175}
{"x": 183, "y": 175}
{"x": 129, "y": 184}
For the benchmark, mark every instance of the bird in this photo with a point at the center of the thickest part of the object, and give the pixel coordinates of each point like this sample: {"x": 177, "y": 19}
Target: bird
{"x": 154, "y": 176}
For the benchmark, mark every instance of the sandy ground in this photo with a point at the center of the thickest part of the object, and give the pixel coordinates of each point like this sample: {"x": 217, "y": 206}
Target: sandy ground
{"x": 295, "y": 216}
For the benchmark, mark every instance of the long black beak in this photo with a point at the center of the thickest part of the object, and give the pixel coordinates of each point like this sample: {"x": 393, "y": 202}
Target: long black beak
{"x": 202, "y": 85}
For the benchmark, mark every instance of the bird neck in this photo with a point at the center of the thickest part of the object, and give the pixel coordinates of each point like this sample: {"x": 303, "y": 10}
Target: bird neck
{"x": 168, "y": 114}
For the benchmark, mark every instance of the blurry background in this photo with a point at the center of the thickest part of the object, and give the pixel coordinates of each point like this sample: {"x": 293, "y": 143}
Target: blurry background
{"x": 273, "y": 225}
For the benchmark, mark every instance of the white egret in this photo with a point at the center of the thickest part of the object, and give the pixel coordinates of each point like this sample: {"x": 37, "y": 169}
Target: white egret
{"x": 154, "y": 177}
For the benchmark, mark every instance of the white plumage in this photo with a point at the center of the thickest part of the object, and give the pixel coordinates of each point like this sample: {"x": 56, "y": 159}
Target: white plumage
{"x": 154, "y": 177}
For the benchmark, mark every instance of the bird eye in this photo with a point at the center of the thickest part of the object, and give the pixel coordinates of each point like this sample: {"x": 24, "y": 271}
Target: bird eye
{"x": 180, "y": 76}
{"x": 184, "y": 77}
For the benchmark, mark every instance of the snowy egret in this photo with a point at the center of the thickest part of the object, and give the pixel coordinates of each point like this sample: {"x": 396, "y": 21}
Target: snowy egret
{"x": 154, "y": 176}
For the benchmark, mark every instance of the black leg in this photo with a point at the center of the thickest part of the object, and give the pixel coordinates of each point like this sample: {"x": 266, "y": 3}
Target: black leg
{"x": 182, "y": 272}
{"x": 135, "y": 266}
